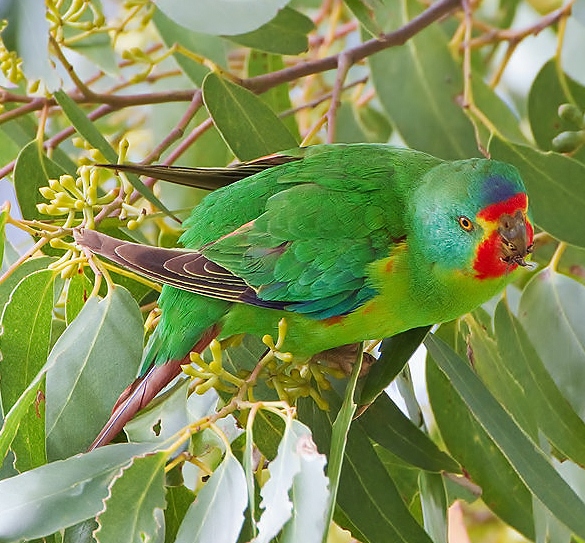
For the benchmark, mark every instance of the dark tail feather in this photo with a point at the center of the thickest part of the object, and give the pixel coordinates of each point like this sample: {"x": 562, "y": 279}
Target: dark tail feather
{"x": 139, "y": 394}
{"x": 202, "y": 178}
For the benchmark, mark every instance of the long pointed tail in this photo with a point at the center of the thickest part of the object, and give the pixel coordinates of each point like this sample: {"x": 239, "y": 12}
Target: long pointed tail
{"x": 139, "y": 394}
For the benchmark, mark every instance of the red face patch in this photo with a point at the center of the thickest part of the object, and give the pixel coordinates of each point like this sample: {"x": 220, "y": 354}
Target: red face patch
{"x": 488, "y": 262}
{"x": 493, "y": 212}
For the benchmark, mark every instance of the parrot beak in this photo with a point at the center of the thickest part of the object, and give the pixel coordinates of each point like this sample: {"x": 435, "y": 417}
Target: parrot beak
{"x": 514, "y": 235}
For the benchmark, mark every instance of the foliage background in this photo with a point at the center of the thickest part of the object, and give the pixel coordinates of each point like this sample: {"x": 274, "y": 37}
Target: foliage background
{"x": 86, "y": 82}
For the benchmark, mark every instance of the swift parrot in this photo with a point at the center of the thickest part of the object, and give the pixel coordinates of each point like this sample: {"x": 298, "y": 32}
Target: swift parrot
{"x": 347, "y": 242}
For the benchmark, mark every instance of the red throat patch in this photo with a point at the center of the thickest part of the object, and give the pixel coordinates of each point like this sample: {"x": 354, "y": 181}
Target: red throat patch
{"x": 488, "y": 262}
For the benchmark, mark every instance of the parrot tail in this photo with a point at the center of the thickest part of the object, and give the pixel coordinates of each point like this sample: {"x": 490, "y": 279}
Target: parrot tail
{"x": 144, "y": 389}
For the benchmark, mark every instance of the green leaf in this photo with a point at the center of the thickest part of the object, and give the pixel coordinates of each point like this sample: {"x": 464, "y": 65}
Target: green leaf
{"x": 286, "y": 34}
{"x": 309, "y": 491}
{"x": 28, "y": 18}
{"x": 26, "y": 268}
{"x": 97, "y": 47}
{"x": 25, "y": 342}
{"x": 78, "y": 290}
{"x": 217, "y": 514}
{"x": 209, "y": 47}
{"x": 277, "y": 97}
{"x": 374, "y": 124}
{"x": 418, "y": 85}
{"x": 387, "y": 425}
{"x": 470, "y": 444}
{"x": 221, "y": 16}
{"x": 179, "y": 498}
{"x": 140, "y": 484}
{"x": 3, "y": 217}
{"x": 277, "y": 506}
{"x": 100, "y": 351}
{"x": 395, "y": 353}
{"x": 545, "y": 97}
{"x": 434, "y": 505}
{"x": 528, "y": 460}
{"x": 547, "y": 174}
{"x": 89, "y": 132}
{"x": 167, "y": 413}
{"x": 348, "y": 129}
{"x": 579, "y": 11}
{"x": 339, "y": 432}
{"x": 51, "y": 497}
{"x": 551, "y": 410}
{"x": 551, "y": 312}
{"x": 364, "y": 14}
{"x": 246, "y": 123}
{"x": 32, "y": 170}
{"x": 368, "y": 502}
{"x": 491, "y": 365}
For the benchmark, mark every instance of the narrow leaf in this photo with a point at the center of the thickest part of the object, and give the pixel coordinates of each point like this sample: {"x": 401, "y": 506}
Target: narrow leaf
{"x": 434, "y": 505}
{"x": 560, "y": 335}
{"x": 142, "y": 485}
{"x": 286, "y": 34}
{"x": 387, "y": 425}
{"x": 217, "y": 513}
{"x": 553, "y": 413}
{"x": 25, "y": 343}
{"x": 44, "y": 500}
{"x": 395, "y": 353}
{"x": 529, "y": 461}
{"x": 473, "y": 448}
{"x": 310, "y": 494}
{"x": 89, "y": 132}
{"x": 246, "y": 123}
{"x": 418, "y": 85}
{"x": 339, "y": 431}
{"x": 221, "y": 16}
{"x": 276, "y": 503}
{"x": 99, "y": 351}
{"x": 368, "y": 501}
{"x": 3, "y": 216}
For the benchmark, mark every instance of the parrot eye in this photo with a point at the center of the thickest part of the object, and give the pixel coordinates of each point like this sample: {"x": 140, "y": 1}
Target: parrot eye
{"x": 465, "y": 223}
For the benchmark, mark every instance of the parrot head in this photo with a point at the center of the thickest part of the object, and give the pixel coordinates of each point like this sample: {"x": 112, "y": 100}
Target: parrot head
{"x": 472, "y": 216}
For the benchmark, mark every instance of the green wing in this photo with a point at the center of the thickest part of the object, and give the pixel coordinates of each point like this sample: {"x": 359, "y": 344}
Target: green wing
{"x": 311, "y": 248}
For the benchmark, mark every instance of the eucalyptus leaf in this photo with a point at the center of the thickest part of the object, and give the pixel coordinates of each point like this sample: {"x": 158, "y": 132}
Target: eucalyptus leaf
{"x": 547, "y": 93}
{"x": 32, "y": 170}
{"x": 246, "y": 123}
{"x": 560, "y": 334}
{"x": 60, "y": 494}
{"x": 221, "y": 16}
{"x": 434, "y": 506}
{"x": 209, "y": 47}
{"x": 28, "y": 16}
{"x": 418, "y": 86}
{"x": 141, "y": 484}
{"x": 99, "y": 351}
{"x": 388, "y": 426}
{"x": 286, "y": 34}
{"x": 554, "y": 415}
{"x": 217, "y": 514}
{"x": 528, "y": 460}
{"x": 88, "y": 131}
{"x": 25, "y": 342}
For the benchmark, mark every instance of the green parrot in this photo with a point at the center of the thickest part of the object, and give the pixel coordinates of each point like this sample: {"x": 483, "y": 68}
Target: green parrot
{"x": 348, "y": 242}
